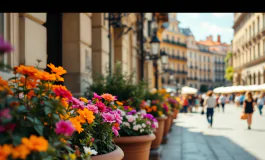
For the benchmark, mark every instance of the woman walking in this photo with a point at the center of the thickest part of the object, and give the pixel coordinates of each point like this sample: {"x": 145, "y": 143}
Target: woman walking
{"x": 249, "y": 108}
{"x": 210, "y": 103}
{"x": 260, "y": 103}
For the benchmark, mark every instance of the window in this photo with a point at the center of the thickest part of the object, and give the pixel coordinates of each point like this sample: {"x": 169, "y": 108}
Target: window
{"x": 258, "y": 50}
{"x": 183, "y": 67}
{"x": 254, "y": 53}
{"x": 167, "y": 37}
{"x": 178, "y": 39}
{"x": 177, "y": 52}
{"x": 254, "y": 29}
{"x": 258, "y": 24}
{"x": 173, "y": 38}
{"x": 249, "y": 32}
{"x": 173, "y": 52}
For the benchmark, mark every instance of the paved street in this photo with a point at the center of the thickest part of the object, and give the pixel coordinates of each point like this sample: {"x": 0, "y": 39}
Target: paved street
{"x": 229, "y": 139}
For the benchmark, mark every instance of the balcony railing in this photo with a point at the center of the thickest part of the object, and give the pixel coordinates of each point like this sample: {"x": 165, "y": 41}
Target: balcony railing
{"x": 178, "y": 57}
{"x": 172, "y": 71}
{"x": 175, "y": 42}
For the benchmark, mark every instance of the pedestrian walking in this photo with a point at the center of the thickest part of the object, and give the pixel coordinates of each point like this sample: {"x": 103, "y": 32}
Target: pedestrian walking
{"x": 242, "y": 99}
{"x": 237, "y": 98}
{"x": 210, "y": 103}
{"x": 260, "y": 103}
{"x": 249, "y": 108}
{"x": 197, "y": 103}
{"x": 185, "y": 103}
{"x": 222, "y": 100}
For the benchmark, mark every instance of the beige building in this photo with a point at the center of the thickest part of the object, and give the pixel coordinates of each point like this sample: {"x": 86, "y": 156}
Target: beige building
{"x": 79, "y": 42}
{"x": 249, "y": 48}
{"x": 173, "y": 42}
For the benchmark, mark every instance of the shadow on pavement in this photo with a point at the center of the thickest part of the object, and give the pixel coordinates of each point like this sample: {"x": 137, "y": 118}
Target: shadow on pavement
{"x": 185, "y": 144}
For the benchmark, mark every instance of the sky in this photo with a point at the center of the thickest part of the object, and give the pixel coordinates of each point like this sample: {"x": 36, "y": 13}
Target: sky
{"x": 205, "y": 24}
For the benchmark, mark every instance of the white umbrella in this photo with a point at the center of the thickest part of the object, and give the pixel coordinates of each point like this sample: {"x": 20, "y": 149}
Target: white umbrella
{"x": 188, "y": 90}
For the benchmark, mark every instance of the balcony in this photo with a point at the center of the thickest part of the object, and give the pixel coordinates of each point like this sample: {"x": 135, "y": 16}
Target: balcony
{"x": 175, "y": 43}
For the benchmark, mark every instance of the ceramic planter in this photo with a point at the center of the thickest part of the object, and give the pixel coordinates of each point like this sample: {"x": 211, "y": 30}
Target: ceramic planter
{"x": 159, "y": 132}
{"x": 135, "y": 147}
{"x": 117, "y": 154}
{"x": 176, "y": 111}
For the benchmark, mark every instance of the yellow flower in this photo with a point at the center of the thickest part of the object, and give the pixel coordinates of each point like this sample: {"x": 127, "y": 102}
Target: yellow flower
{"x": 5, "y": 151}
{"x": 87, "y": 115}
{"x": 119, "y": 103}
{"x": 160, "y": 113}
{"x": 83, "y": 99}
{"x": 20, "y": 151}
{"x": 65, "y": 116}
{"x": 35, "y": 143}
{"x": 63, "y": 140}
{"x": 77, "y": 125}
{"x": 72, "y": 156}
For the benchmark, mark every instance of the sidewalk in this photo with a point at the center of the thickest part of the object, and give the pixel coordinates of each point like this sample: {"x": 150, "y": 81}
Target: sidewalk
{"x": 191, "y": 139}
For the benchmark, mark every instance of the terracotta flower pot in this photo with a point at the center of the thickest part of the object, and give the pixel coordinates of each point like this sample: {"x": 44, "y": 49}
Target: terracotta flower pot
{"x": 167, "y": 125}
{"x": 135, "y": 147}
{"x": 159, "y": 132}
{"x": 117, "y": 154}
{"x": 172, "y": 118}
{"x": 176, "y": 111}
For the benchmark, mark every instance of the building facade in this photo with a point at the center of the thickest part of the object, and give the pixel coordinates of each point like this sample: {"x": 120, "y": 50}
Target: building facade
{"x": 77, "y": 41}
{"x": 173, "y": 42}
{"x": 249, "y": 48}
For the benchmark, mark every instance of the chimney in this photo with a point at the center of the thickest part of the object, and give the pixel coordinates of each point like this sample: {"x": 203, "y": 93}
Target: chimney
{"x": 219, "y": 39}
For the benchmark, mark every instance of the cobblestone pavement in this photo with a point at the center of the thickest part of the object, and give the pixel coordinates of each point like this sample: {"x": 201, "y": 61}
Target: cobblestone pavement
{"x": 229, "y": 139}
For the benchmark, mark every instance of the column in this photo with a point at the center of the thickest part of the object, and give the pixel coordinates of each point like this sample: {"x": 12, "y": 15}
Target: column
{"x": 32, "y": 38}
{"x": 77, "y": 54}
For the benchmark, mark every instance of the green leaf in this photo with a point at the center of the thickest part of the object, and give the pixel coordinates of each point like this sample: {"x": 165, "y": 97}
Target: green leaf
{"x": 22, "y": 109}
{"x": 30, "y": 119}
{"x": 47, "y": 103}
{"x": 39, "y": 129}
{"x": 47, "y": 110}
{"x": 56, "y": 116}
{"x": 16, "y": 140}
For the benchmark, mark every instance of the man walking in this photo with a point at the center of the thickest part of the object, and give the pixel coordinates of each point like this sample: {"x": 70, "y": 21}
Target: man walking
{"x": 210, "y": 103}
{"x": 222, "y": 101}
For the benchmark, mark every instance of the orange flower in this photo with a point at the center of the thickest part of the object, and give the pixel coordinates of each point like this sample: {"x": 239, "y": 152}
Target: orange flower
{"x": 77, "y": 125}
{"x": 65, "y": 116}
{"x": 154, "y": 108}
{"x": 35, "y": 143}
{"x": 4, "y": 86}
{"x": 26, "y": 70}
{"x": 86, "y": 115}
{"x": 80, "y": 119}
{"x": 20, "y": 151}
{"x": 5, "y": 151}
{"x": 108, "y": 97}
{"x": 30, "y": 94}
{"x": 117, "y": 125}
{"x": 14, "y": 104}
{"x": 149, "y": 110}
{"x": 119, "y": 103}
{"x": 57, "y": 70}
{"x": 63, "y": 140}
{"x": 64, "y": 102}
{"x": 45, "y": 76}
{"x": 83, "y": 99}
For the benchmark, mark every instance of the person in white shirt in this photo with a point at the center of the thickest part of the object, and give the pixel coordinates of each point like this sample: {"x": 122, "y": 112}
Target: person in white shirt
{"x": 210, "y": 103}
{"x": 222, "y": 101}
{"x": 260, "y": 103}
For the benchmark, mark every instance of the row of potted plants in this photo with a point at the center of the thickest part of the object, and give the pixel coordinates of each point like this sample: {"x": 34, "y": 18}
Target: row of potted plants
{"x": 41, "y": 119}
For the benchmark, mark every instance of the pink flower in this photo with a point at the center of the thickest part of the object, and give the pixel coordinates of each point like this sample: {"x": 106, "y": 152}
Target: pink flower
{"x": 92, "y": 108}
{"x": 97, "y": 96}
{"x": 61, "y": 92}
{"x": 117, "y": 117}
{"x": 64, "y": 127}
{"x": 77, "y": 103}
{"x": 5, "y": 47}
{"x": 5, "y": 113}
{"x": 126, "y": 107}
{"x": 101, "y": 106}
{"x": 130, "y": 118}
{"x": 108, "y": 117}
{"x": 8, "y": 127}
{"x": 115, "y": 131}
{"x": 148, "y": 123}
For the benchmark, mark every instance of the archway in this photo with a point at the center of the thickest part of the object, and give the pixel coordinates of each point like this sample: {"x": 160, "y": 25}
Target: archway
{"x": 254, "y": 78}
{"x": 249, "y": 79}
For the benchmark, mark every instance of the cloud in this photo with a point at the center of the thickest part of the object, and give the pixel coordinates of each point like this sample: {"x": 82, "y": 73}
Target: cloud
{"x": 192, "y": 15}
{"x": 214, "y": 29}
{"x": 219, "y": 15}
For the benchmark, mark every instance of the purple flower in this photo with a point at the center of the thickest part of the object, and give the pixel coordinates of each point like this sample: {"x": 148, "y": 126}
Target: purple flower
{"x": 108, "y": 117}
{"x": 153, "y": 126}
{"x": 5, "y": 47}
{"x": 131, "y": 112}
{"x": 92, "y": 108}
{"x": 148, "y": 116}
{"x": 97, "y": 96}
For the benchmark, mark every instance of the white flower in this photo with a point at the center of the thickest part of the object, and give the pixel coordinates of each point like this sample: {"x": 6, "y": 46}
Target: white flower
{"x": 156, "y": 124}
{"x": 141, "y": 130}
{"x": 135, "y": 128}
{"x": 139, "y": 126}
{"x": 130, "y": 118}
{"x": 143, "y": 111}
{"x": 144, "y": 125}
{"x": 21, "y": 95}
{"x": 111, "y": 103}
{"x": 122, "y": 112}
{"x": 90, "y": 151}
{"x": 126, "y": 124}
